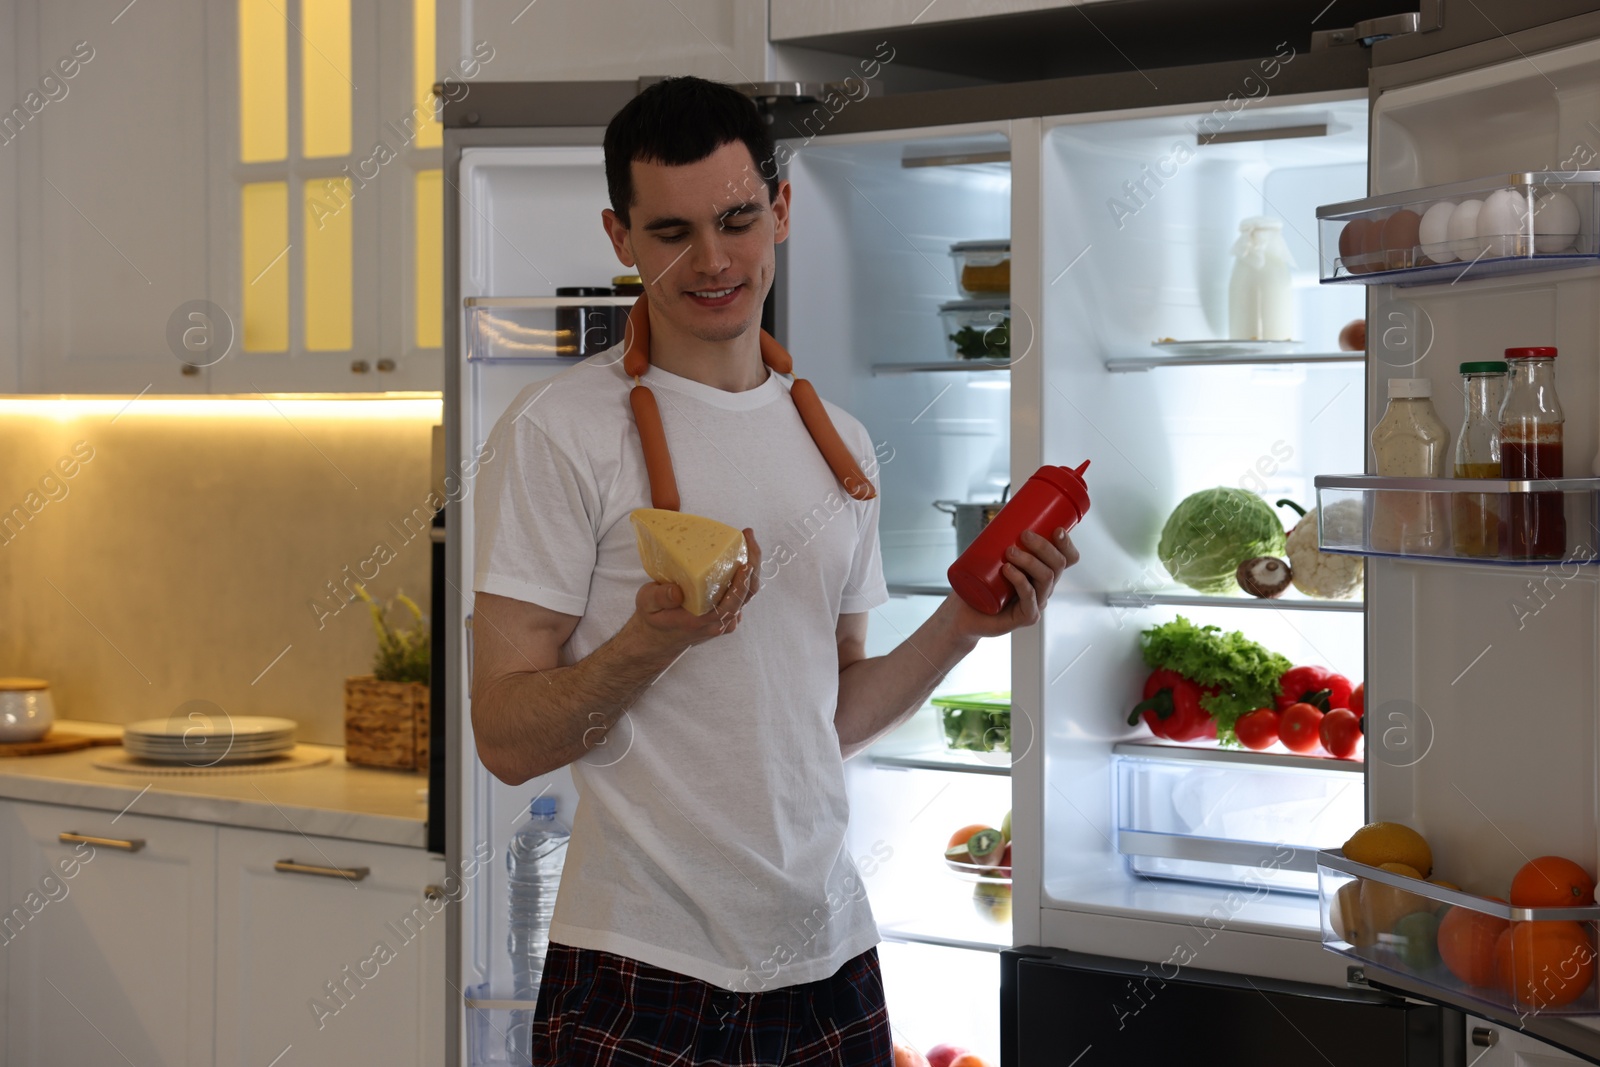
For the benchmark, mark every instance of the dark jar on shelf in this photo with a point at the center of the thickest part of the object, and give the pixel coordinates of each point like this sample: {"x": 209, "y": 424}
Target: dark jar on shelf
{"x": 1531, "y": 449}
{"x": 582, "y": 330}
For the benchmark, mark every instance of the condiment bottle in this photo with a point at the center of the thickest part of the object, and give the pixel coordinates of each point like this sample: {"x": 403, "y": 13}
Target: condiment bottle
{"x": 1051, "y": 498}
{"x": 1477, "y": 519}
{"x": 1410, "y": 442}
{"x": 1531, "y": 447}
{"x": 1260, "y": 293}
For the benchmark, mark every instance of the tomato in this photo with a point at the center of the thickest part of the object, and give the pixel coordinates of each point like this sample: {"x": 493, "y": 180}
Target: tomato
{"x": 1298, "y": 727}
{"x": 1340, "y": 731}
{"x": 1257, "y": 729}
{"x": 1358, "y": 699}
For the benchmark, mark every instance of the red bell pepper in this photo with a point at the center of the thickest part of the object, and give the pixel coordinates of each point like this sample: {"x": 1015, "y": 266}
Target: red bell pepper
{"x": 1317, "y": 686}
{"x": 1171, "y": 708}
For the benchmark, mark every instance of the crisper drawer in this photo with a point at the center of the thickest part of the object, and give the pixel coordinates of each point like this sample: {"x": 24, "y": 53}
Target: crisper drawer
{"x": 1232, "y": 817}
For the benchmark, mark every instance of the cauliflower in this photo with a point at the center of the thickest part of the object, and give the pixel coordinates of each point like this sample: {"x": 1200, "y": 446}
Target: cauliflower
{"x": 1322, "y": 574}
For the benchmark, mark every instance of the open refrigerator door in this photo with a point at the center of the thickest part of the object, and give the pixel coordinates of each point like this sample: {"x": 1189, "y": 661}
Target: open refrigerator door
{"x": 1482, "y": 657}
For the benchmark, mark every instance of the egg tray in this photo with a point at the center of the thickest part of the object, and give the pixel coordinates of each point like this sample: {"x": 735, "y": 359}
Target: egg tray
{"x": 1512, "y": 223}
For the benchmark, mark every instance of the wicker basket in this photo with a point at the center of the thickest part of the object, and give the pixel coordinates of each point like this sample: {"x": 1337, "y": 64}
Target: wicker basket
{"x": 386, "y": 723}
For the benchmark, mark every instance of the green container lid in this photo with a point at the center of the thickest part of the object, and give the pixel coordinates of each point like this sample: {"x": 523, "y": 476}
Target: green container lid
{"x": 1488, "y": 366}
{"x": 975, "y": 701}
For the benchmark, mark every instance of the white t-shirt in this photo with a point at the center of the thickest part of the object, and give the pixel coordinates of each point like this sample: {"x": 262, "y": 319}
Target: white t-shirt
{"x": 709, "y": 837}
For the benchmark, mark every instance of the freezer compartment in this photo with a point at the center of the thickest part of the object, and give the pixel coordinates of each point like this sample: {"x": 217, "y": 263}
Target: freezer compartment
{"x": 1498, "y": 522}
{"x": 541, "y": 328}
{"x": 1232, "y": 817}
{"x": 1491, "y": 226}
{"x": 1463, "y": 947}
{"x": 497, "y": 1028}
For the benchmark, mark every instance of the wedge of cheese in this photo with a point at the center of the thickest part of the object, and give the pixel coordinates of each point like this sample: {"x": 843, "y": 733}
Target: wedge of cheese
{"x": 697, "y": 554}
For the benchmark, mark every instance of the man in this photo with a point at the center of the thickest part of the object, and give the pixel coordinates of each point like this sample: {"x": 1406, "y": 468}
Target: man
{"x": 708, "y": 912}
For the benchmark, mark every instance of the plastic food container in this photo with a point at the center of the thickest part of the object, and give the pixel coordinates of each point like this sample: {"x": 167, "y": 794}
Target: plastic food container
{"x": 976, "y": 722}
{"x": 983, "y": 268}
{"x": 1506, "y": 224}
{"x": 977, "y": 329}
{"x": 1452, "y": 941}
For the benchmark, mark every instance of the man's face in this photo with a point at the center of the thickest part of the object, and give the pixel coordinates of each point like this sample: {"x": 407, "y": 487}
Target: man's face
{"x": 703, "y": 238}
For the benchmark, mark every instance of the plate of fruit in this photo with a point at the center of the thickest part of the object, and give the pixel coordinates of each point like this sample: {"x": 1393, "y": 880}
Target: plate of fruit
{"x": 981, "y": 853}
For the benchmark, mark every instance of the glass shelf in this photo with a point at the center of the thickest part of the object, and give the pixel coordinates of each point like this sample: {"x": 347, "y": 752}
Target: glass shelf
{"x": 1478, "y": 522}
{"x": 1489, "y": 227}
{"x": 939, "y": 759}
{"x": 1227, "y": 354}
{"x": 958, "y": 366}
{"x": 919, "y": 588}
{"x": 1387, "y": 920}
{"x": 1199, "y": 600}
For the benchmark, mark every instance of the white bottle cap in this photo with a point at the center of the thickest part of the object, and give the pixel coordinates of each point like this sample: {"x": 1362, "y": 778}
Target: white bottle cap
{"x": 1410, "y": 388}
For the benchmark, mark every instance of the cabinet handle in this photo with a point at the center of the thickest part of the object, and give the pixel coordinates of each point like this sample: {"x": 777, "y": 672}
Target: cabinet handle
{"x": 433, "y": 892}
{"x": 351, "y": 874}
{"x": 1483, "y": 1037}
{"x": 130, "y": 844}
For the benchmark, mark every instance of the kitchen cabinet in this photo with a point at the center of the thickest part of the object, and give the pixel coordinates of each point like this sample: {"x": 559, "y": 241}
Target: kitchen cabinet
{"x": 721, "y": 39}
{"x": 108, "y": 953}
{"x": 108, "y": 137}
{"x": 343, "y": 971}
{"x": 816, "y": 18}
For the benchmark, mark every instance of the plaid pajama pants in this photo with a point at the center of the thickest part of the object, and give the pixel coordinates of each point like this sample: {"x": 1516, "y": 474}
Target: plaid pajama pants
{"x": 597, "y": 1009}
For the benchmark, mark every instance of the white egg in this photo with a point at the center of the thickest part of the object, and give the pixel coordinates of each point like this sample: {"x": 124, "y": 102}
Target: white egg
{"x": 1463, "y": 230}
{"x": 1555, "y": 220}
{"x": 1434, "y": 232}
{"x": 1503, "y": 222}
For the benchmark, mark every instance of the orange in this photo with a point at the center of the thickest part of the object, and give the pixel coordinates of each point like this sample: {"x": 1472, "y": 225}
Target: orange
{"x": 1552, "y": 882}
{"x": 1544, "y": 964}
{"x": 1440, "y": 906}
{"x": 1466, "y": 944}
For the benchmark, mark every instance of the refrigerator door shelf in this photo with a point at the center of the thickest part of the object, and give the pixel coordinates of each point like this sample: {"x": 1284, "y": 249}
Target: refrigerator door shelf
{"x": 1368, "y": 914}
{"x": 495, "y": 1025}
{"x": 1471, "y": 521}
{"x": 525, "y": 329}
{"x": 1507, "y": 224}
{"x": 1229, "y": 817}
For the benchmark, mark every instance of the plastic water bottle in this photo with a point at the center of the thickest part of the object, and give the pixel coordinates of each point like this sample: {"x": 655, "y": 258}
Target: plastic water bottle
{"x": 534, "y": 860}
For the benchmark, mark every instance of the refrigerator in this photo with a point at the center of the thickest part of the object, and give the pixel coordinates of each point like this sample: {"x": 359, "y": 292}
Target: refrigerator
{"x": 1161, "y": 895}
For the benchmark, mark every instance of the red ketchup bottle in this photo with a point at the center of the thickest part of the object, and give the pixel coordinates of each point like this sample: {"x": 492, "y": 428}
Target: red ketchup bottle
{"x": 1053, "y": 497}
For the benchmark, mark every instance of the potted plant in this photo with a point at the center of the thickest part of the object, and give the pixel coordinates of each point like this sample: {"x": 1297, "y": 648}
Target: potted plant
{"x": 386, "y": 712}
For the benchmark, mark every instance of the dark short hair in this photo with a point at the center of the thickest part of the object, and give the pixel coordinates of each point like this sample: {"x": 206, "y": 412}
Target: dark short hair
{"x": 679, "y": 121}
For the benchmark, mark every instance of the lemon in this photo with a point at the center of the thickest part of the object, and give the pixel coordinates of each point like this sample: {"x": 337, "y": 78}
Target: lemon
{"x": 1384, "y": 906}
{"x": 1378, "y": 843}
{"x": 1344, "y": 915}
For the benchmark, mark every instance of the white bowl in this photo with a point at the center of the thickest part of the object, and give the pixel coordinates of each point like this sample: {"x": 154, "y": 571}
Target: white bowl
{"x": 26, "y": 710}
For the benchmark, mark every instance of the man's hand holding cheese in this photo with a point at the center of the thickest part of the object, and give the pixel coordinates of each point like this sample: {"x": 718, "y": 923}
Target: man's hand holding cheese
{"x": 708, "y": 908}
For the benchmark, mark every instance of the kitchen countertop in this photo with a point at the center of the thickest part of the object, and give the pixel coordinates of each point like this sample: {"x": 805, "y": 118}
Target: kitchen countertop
{"x": 332, "y": 800}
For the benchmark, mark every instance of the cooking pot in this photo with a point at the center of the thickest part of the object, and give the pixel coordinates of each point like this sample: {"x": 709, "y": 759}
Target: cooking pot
{"x": 970, "y": 519}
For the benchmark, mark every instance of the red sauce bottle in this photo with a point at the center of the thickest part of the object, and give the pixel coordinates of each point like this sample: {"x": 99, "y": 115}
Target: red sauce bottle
{"x": 1053, "y": 497}
{"x": 1531, "y": 448}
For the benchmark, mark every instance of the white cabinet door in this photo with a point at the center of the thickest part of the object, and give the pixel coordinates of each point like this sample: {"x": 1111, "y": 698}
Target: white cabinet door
{"x": 339, "y": 971}
{"x": 108, "y": 948}
{"x": 794, "y": 19}
{"x": 112, "y": 191}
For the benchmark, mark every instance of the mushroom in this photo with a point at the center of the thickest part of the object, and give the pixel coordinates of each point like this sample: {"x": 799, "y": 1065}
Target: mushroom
{"x": 1264, "y": 576}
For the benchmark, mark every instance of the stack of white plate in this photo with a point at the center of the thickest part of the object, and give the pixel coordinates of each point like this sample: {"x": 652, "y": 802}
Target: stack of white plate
{"x": 206, "y": 741}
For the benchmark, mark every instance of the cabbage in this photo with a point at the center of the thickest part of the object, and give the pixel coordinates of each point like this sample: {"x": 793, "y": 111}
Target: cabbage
{"x": 1211, "y": 532}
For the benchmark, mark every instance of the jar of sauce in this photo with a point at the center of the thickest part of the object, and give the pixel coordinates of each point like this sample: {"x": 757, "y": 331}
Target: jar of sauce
{"x": 1410, "y": 442}
{"x": 582, "y": 330}
{"x": 1052, "y": 498}
{"x": 1477, "y": 519}
{"x": 1531, "y": 448}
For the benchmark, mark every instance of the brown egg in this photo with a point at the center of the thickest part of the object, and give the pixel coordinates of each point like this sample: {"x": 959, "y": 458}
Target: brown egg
{"x": 1372, "y": 245}
{"x": 1351, "y": 240}
{"x": 1401, "y": 236}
